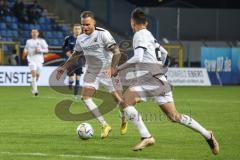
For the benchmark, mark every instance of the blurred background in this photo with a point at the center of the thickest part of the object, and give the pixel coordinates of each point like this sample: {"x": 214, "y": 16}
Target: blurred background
{"x": 202, "y": 34}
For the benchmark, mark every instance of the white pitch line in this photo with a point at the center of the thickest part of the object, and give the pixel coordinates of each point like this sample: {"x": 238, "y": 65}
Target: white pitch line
{"x": 38, "y": 154}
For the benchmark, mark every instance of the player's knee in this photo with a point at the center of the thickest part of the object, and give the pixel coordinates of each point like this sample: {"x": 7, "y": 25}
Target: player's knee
{"x": 129, "y": 101}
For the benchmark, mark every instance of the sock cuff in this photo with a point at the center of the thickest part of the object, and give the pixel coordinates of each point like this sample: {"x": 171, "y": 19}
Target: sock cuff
{"x": 129, "y": 109}
{"x": 185, "y": 118}
{"x": 87, "y": 100}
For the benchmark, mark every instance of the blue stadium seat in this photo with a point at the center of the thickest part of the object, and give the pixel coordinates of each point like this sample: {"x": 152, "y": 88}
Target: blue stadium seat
{"x": 14, "y": 26}
{"x": 7, "y": 19}
{"x": 60, "y": 42}
{"x": 64, "y": 28}
{"x": 41, "y": 20}
{"x": 9, "y": 39}
{"x": 14, "y": 19}
{"x": 55, "y": 42}
{"x": 59, "y": 34}
{"x": 3, "y": 26}
{"x": 26, "y": 34}
{"x": 9, "y": 33}
{"x": 3, "y": 33}
{"x": 45, "y": 20}
{"x": 48, "y": 34}
{"x": 36, "y": 26}
{"x": 15, "y": 34}
{"x": 48, "y": 27}
{"x": 25, "y": 27}
{"x": 23, "y": 41}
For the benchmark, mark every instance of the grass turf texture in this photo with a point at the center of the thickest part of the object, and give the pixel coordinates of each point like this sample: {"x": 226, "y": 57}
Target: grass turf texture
{"x": 29, "y": 128}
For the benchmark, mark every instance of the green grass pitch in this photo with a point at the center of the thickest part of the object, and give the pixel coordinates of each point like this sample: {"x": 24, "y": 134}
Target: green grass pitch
{"x": 29, "y": 128}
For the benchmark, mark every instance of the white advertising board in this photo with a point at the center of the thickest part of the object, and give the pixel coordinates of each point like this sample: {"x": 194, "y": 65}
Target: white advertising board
{"x": 21, "y": 76}
{"x": 188, "y": 77}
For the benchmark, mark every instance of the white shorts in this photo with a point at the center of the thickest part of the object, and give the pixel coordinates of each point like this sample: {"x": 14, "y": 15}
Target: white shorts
{"x": 155, "y": 88}
{"x": 93, "y": 80}
{"x": 37, "y": 66}
{"x": 166, "y": 98}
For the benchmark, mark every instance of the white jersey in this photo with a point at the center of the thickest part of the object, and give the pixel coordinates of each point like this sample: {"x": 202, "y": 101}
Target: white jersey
{"x": 95, "y": 48}
{"x": 144, "y": 39}
{"x": 152, "y": 59}
{"x": 31, "y": 47}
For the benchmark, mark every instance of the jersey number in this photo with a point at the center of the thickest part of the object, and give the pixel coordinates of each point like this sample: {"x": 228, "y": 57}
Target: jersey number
{"x": 158, "y": 54}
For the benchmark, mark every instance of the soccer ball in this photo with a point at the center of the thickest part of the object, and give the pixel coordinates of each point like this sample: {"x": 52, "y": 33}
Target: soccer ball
{"x": 85, "y": 131}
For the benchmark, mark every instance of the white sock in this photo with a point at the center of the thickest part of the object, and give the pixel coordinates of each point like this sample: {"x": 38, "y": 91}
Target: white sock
{"x": 191, "y": 123}
{"x": 94, "y": 109}
{"x": 34, "y": 85}
{"x": 134, "y": 116}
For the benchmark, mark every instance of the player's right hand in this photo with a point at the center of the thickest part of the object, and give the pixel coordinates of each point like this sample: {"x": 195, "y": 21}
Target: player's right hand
{"x": 60, "y": 72}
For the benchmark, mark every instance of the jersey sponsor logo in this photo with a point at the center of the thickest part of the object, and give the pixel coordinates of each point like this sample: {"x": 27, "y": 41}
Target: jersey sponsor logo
{"x": 92, "y": 47}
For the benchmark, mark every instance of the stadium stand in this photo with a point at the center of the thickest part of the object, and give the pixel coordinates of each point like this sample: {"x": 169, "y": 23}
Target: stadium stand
{"x": 13, "y": 28}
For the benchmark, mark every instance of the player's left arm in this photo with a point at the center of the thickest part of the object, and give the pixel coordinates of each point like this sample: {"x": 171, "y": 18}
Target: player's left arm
{"x": 116, "y": 55}
{"x": 43, "y": 47}
{"x": 111, "y": 45}
{"x": 137, "y": 58}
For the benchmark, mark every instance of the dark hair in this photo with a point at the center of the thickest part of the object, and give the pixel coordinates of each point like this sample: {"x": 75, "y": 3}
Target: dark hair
{"x": 77, "y": 25}
{"x": 86, "y": 14}
{"x": 139, "y": 16}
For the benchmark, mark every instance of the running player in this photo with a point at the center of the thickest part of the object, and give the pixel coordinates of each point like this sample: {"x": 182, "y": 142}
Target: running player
{"x": 34, "y": 49}
{"x": 75, "y": 70}
{"x": 102, "y": 56}
{"x": 153, "y": 84}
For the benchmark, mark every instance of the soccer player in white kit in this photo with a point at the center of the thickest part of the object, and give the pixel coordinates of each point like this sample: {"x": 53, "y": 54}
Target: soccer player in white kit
{"x": 154, "y": 84}
{"x": 102, "y": 56}
{"x": 34, "y": 49}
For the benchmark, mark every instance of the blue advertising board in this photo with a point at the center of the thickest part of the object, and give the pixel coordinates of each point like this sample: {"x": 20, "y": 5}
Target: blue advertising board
{"x": 222, "y": 64}
{"x": 236, "y": 65}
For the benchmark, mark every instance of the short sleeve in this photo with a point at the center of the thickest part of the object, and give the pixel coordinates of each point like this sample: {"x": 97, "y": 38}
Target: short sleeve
{"x": 107, "y": 39}
{"x": 44, "y": 43}
{"x": 139, "y": 42}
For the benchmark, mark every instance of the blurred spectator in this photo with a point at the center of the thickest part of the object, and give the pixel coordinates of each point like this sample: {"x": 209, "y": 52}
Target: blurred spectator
{"x": 34, "y": 12}
{"x": 20, "y": 11}
{"x": 4, "y": 10}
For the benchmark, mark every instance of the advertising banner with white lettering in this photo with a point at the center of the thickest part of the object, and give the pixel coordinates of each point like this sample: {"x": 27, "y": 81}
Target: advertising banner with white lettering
{"x": 21, "y": 76}
{"x": 222, "y": 64}
{"x": 188, "y": 77}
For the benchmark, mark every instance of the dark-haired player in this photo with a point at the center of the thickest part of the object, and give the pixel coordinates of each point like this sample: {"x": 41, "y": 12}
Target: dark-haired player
{"x": 147, "y": 55}
{"x": 102, "y": 57}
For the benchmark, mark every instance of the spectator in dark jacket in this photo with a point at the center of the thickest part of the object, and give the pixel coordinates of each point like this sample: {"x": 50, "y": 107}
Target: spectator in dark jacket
{"x": 34, "y": 11}
{"x": 4, "y": 10}
{"x": 20, "y": 11}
